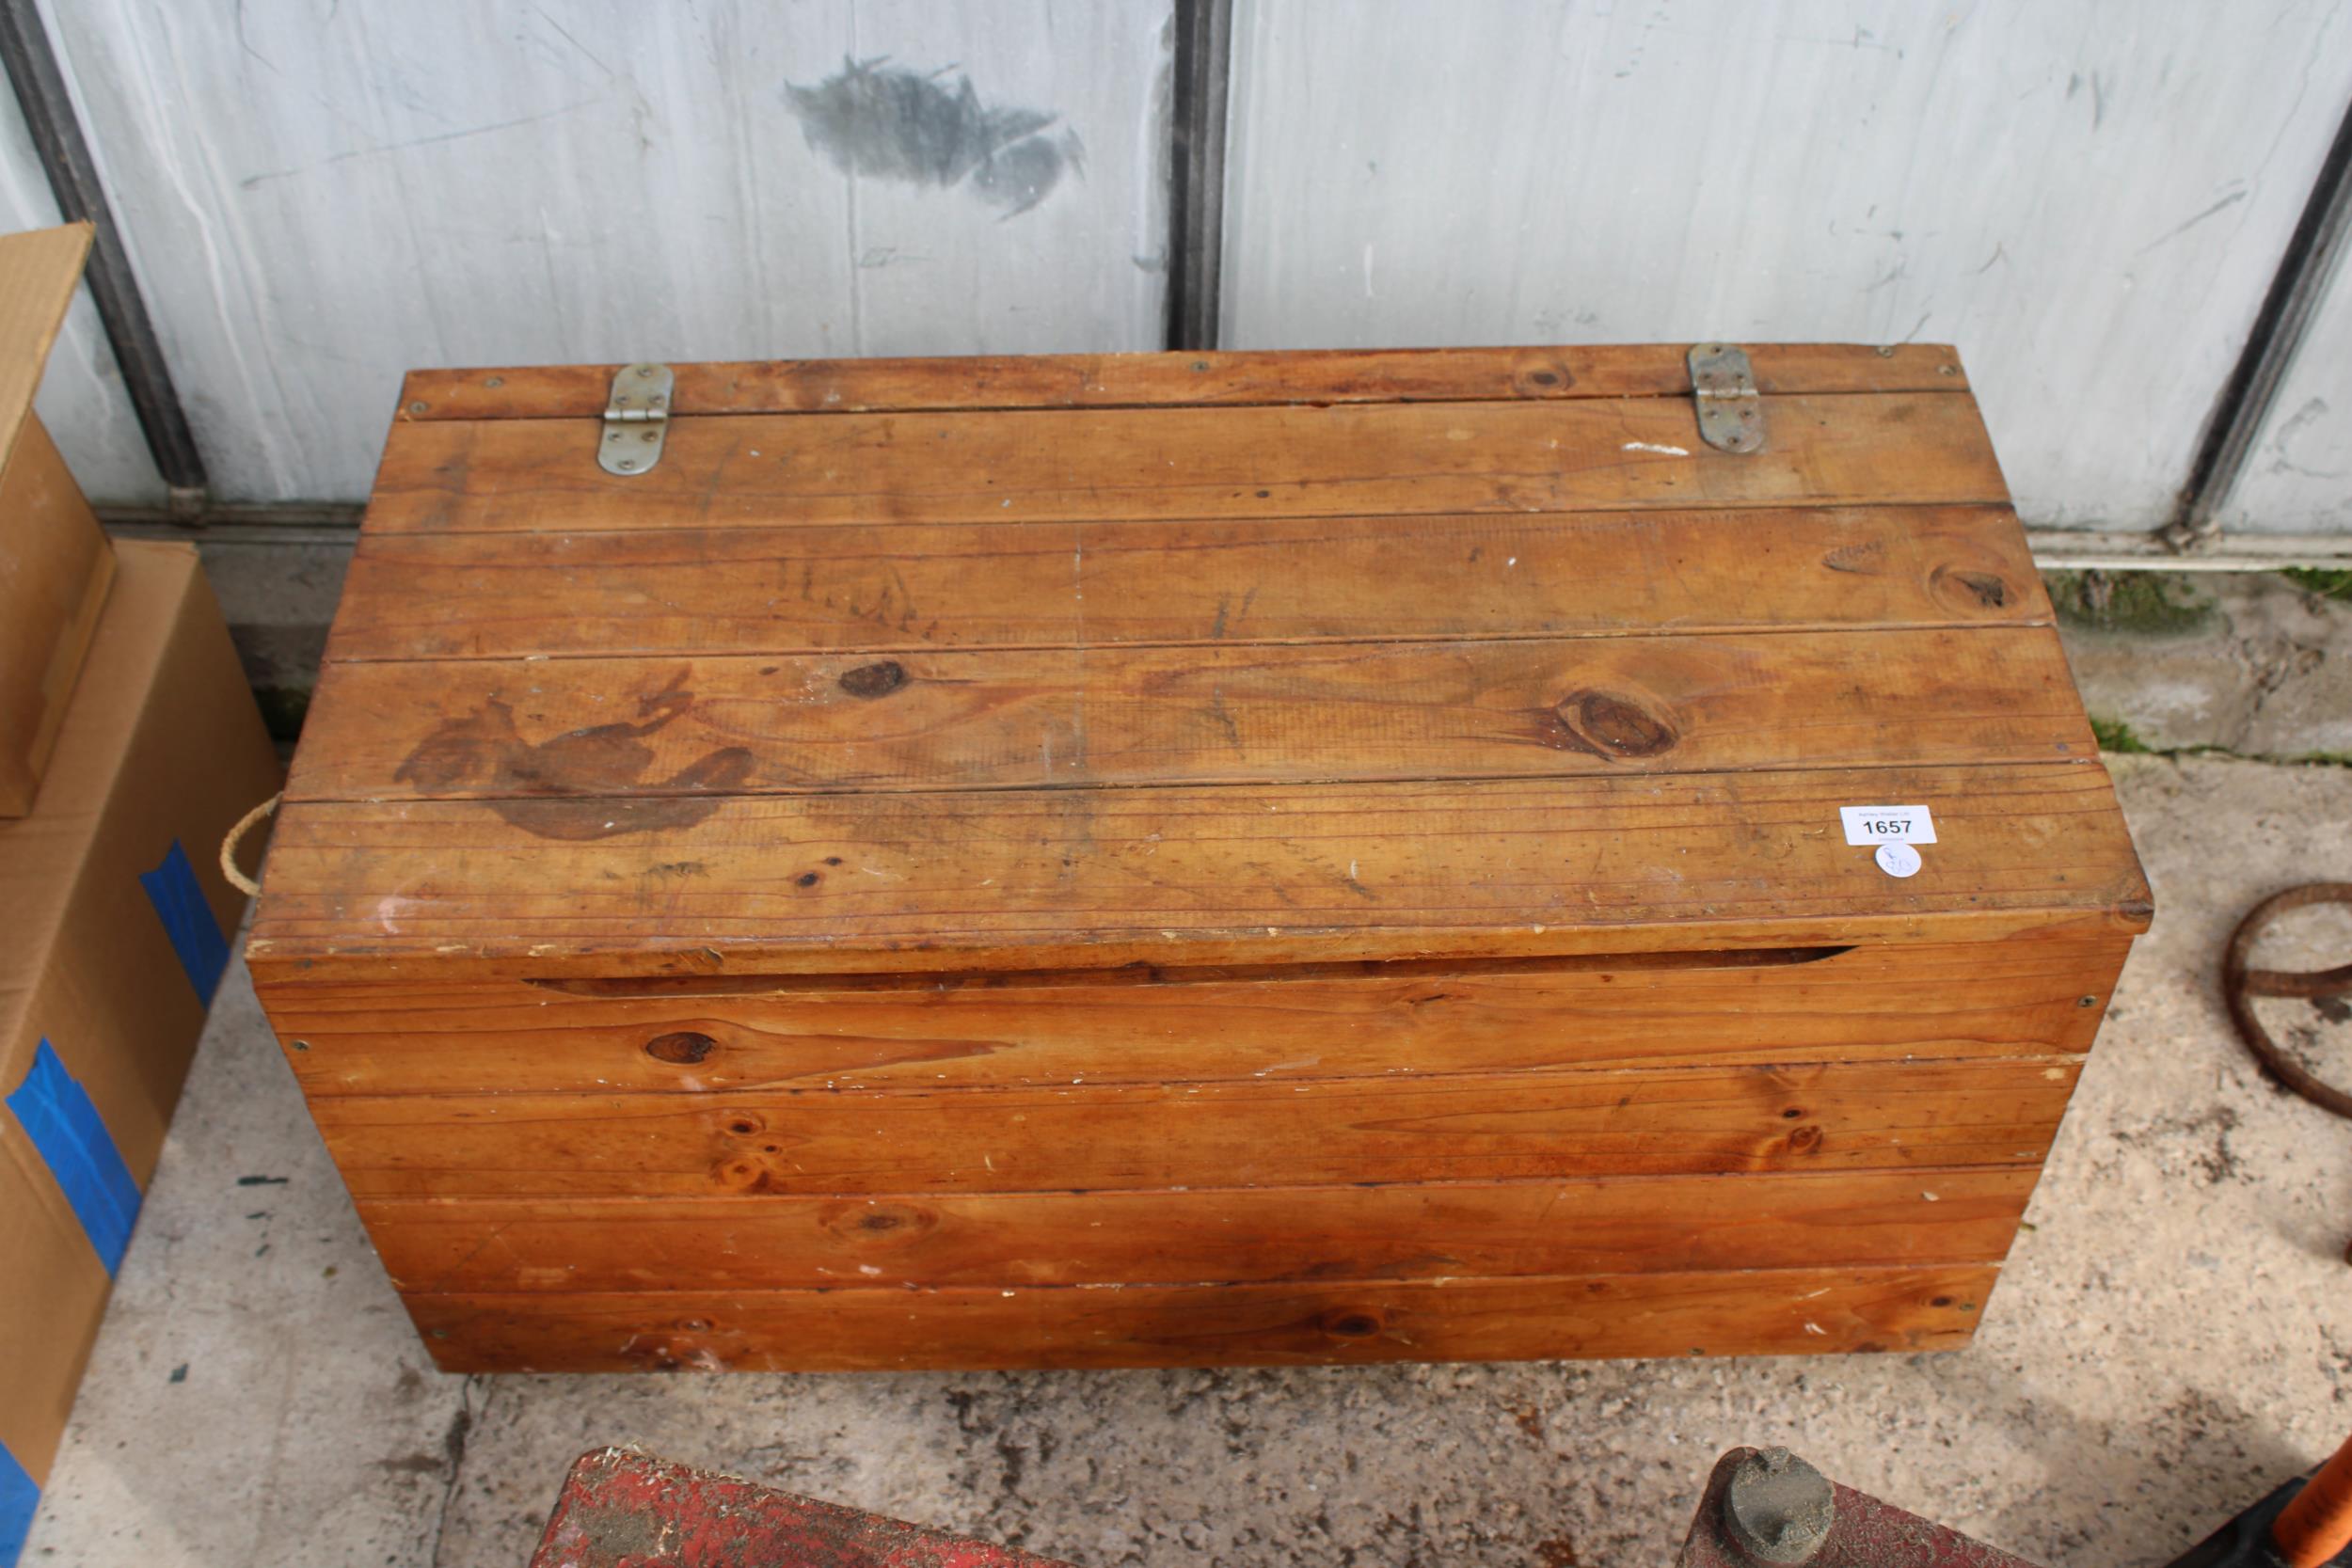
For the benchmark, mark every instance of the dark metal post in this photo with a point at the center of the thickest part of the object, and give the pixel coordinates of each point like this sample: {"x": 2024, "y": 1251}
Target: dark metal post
{"x": 2238, "y": 415}
{"x": 65, "y": 154}
{"x": 1195, "y": 200}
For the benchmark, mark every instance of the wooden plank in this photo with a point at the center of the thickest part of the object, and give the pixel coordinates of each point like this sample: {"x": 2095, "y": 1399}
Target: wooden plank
{"x": 1241, "y": 714}
{"x": 1613, "y": 1224}
{"x": 1647, "y": 1121}
{"x": 820, "y": 588}
{"x": 1150, "y": 380}
{"x": 1096, "y": 877}
{"x": 1869, "y": 1004}
{"x": 540, "y": 476}
{"x": 1765, "y": 1312}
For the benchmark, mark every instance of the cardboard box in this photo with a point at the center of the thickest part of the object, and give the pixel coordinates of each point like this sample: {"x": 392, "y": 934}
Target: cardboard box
{"x": 55, "y": 561}
{"x": 119, "y": 921}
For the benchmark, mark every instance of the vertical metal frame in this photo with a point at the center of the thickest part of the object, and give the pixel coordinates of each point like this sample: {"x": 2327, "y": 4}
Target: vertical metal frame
{"x": 2239, "y": 414}
{"x": 65, "y": 156}
{"x": 1196, "y": 203}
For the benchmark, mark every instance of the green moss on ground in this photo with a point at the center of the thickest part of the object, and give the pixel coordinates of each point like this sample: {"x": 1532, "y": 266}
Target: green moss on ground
{"x": 2117, "y": 737}
{"x": 2162, "y": 604}
{"x": 2332, "y": 584}
{"x": 2115, "y": 734}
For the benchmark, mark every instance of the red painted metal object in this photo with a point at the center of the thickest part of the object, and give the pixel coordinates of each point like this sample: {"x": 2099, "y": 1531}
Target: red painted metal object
{"x": 1854, "y": 1530}
{"x": 1762, "y": 1509}
{"x": 625, "y": 1510}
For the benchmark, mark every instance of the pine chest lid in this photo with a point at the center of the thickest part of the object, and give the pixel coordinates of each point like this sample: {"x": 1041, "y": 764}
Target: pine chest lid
{"x": 966, "y": 665}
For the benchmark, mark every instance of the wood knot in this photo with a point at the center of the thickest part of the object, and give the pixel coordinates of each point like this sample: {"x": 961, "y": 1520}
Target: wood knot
{"x": 1971, "y": 589}
{"x": 1354, "y": 1324}
{"x": 743, "y": 1124}
{"x": 743, "y": 1175}
{"x": 1547, "y": 376}
{"x": 1608, "y": 725}
{"x": 1867, "y": 559}
{"x": 869, "y": 1225}
{"x": 874, "y": 680}
{"x": 1804, "y": 1140}
{"x": 683, "y": 1047}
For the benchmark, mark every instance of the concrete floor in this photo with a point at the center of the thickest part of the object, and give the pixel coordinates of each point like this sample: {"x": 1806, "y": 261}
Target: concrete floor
{"x": 2173, "y": 1337}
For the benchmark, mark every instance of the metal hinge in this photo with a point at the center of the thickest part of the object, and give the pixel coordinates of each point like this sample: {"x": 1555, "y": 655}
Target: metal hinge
{"x": 636, "y": 418}
{"x": 1731, "y": 416}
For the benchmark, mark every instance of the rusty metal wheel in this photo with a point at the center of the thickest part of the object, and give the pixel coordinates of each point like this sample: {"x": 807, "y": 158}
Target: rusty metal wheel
{"x": 2240, "y": 985}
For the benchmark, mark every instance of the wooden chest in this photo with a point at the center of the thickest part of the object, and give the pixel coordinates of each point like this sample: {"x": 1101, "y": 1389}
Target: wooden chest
{"x": 1193, "y": 859}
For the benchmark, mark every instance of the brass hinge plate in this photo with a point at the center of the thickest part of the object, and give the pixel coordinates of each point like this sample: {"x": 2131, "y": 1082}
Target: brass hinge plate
{"x": 636, "y": 419}
{"x": 1731, "y": 415}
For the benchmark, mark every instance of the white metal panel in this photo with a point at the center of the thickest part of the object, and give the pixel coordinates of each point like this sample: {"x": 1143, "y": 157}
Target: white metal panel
{"x": 319, "y": 196}
{"x": 2088, "y": 196}
{"x": 81, "y": 398}
{"x": 2299, "y": 475}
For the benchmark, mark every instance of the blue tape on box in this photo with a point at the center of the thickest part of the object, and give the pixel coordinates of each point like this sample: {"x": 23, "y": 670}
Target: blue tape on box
{"x": 57, "y": 1116}
{"x": 19, "y": 1495}
{"x": 187, "y": 917}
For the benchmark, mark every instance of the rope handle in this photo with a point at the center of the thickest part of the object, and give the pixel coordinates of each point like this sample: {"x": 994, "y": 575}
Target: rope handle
{"x": 237, "y": 879}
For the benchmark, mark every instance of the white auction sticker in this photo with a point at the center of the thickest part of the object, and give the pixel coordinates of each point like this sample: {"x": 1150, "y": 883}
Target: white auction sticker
{"x": 1896, "y": 858}
{"x": 1888, "y": 824}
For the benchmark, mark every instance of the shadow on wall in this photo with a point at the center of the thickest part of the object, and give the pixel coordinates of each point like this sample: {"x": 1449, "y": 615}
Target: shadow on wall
{"x": 873, "y": 118}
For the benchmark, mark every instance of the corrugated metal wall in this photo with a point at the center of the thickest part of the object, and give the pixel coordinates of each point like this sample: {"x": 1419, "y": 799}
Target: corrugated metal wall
{"x": 2089, "y": 197}
{"x": 319, "y": 196}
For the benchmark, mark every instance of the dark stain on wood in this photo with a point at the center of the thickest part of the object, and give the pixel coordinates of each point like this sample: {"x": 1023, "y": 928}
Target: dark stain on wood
{"x": 556, "y": 788}
{"x": 1604, "y": 724}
